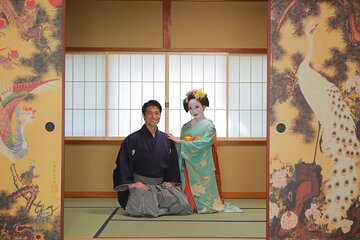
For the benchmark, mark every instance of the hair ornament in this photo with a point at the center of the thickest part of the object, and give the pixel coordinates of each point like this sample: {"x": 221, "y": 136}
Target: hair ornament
{"x": 198, "y": 94}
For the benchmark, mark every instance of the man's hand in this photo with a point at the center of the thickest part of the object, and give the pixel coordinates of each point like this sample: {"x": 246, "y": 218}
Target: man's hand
{"x": 168, "y": 184}
{"x": 138, "y": 185}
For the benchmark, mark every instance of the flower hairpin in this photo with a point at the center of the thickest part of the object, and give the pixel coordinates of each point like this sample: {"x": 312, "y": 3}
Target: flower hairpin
{"x": 199, "y": 94}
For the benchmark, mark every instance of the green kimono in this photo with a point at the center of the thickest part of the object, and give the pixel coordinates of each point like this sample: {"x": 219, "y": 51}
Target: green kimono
{"x": 197, "y": 159}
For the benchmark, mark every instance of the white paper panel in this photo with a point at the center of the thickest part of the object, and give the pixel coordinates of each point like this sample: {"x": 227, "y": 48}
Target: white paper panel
{"x": 90, "y": 126}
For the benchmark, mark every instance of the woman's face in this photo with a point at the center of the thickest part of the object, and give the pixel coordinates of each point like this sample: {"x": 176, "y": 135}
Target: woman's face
{"x": 196, "y": 109}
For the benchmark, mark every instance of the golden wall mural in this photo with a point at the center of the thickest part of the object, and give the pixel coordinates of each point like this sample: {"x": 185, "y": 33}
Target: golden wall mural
{"x": 314, "y": 106}
{"x": 30, "y": 119}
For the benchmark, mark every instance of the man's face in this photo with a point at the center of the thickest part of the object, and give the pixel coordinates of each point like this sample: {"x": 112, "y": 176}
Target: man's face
{"x": 152, "y": 116}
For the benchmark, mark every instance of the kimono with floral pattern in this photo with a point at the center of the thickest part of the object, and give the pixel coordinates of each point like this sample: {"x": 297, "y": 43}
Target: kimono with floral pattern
{"x": 197, "y": 166}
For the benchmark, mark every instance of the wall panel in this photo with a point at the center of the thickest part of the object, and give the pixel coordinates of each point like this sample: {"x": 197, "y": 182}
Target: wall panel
{"x": 242, "y": 168}
{"x": 31, "y": 138}
{"x": 218, "y": 24}
{"x": 314, "y": 120}
{"x": 114, "y": 24}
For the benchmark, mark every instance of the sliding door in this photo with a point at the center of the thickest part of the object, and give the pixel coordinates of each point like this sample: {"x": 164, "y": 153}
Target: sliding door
{"x": 31, "y": 142}
{"x": 314, "y": 120}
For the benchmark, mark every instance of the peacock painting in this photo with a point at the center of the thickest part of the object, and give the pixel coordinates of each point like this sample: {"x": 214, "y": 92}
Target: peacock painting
{"x": 339, "y": 142}
{"x": 314, "y": 73}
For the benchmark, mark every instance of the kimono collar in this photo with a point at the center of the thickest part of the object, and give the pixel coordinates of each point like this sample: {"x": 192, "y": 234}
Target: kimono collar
{"x": 147, "y": 131}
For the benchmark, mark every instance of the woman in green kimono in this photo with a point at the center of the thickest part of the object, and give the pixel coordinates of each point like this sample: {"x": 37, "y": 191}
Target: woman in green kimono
{"x": 197, "y": 156}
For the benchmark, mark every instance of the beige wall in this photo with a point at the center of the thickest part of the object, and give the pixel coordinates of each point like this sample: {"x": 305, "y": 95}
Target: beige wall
{"x": 116, "y": 24}
{"x": 243, "y": 168}
{"x": 218, "y": 24}
{"x": 104, "y": 23}
{"x": 88, "y": 168}
{"x": 128, "y": 24}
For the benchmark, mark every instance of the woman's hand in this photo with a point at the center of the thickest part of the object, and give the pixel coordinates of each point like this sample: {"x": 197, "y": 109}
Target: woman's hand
{"x": 172, "y": 137}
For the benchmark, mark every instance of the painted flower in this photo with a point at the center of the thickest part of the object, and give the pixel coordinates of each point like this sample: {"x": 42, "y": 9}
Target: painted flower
{"x": 345, "y": 225}
{"x": 193, "y": 150}
{"x": 185, "y": 156}
{"x": 274, "y": 210}
{"x": 197, "y": 189}
{"x": 217, "y": 205}
{"x": 314, "y": 212}
{"x": 353, "y": 82}
{"x": 2, "y": 23}
{"x": 288, "y": 220}
{"x": 14, "y": 54}
{"x": 205, "y": 178}
{"x": 279, "y": 178}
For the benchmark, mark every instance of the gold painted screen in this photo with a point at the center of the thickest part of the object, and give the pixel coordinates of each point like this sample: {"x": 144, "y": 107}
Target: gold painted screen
{"x": 31, "y": 144}
{"x": 314, "y": 120}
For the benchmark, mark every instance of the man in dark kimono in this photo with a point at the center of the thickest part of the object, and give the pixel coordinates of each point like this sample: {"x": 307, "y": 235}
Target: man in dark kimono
{"x": 146, "y": 175}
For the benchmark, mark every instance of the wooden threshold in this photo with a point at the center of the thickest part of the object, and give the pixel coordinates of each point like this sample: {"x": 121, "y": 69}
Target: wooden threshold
{"x": 172, "y": 50}
{"x": 228, "y": 195}
{"x": 162, "y": 238}
{"x": 220, "y": 142}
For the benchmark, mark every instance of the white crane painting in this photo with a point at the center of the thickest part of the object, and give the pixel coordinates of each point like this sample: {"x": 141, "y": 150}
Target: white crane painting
{"x": 314, "y": 187}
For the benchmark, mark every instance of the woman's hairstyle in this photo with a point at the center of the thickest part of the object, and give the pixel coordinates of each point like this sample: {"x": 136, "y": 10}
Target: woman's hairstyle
{"x": 197, "y": 94}
{"x": 151, "y": 103}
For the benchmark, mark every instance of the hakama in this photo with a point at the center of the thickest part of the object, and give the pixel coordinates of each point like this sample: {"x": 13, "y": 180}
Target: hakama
{"x": 154, "y": 160}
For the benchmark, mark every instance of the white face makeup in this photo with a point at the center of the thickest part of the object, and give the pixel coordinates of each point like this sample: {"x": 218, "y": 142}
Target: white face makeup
{"x": 196, "y": 109}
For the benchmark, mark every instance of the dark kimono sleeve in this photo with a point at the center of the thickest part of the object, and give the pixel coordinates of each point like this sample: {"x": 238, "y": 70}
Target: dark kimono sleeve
{"x": 123, "y": 173}
{"x": 172, "y": 173}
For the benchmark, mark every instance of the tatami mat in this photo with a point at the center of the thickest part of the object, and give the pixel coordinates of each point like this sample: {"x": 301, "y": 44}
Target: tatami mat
{"x": 102, "y": 218}
{"x": 247, "y": 215}
{"x": 159, "y": 229}
{"x": 84, "y": 222}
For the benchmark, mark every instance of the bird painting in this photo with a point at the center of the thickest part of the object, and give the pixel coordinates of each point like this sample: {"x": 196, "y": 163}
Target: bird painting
{"x": 13, "y": 143}
{"x": 338, "y": 142}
